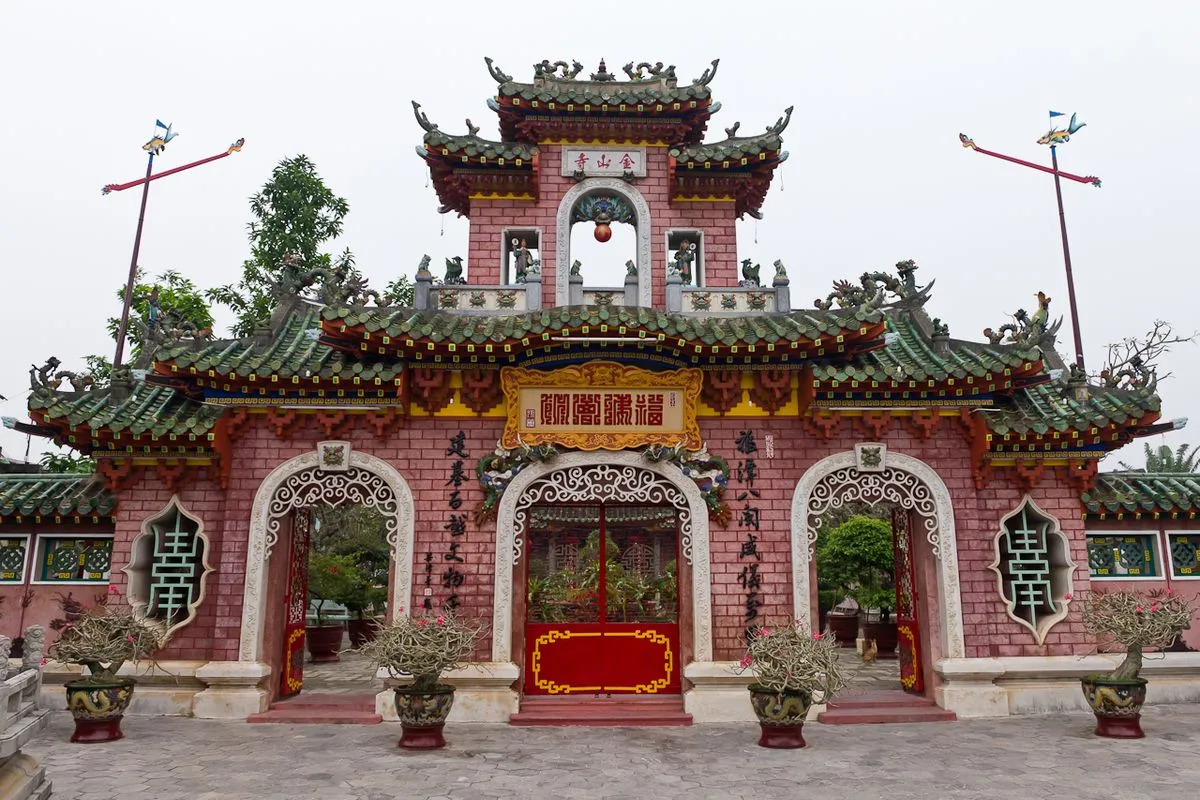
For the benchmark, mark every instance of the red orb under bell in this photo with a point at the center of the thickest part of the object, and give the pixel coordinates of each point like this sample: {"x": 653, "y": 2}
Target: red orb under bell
{"x": 603, "y": 232}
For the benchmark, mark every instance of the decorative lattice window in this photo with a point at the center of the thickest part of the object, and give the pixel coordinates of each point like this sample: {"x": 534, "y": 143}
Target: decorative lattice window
{"x": 14, "y": 553}
{"x": 1185, "y": 554}
{"x": 1127, "y": 555}
{"x": 169, "y": 566}
{"x": 74, "y": 559}
{"x": 1033, "y": 568}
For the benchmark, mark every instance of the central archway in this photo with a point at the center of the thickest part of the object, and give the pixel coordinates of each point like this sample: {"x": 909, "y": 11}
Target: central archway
{"x": 630, "y": 472}
{"x": 562, "y": 253}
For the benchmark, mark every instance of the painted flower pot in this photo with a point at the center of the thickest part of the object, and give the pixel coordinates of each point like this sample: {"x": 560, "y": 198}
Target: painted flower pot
{"x": 1117, "y": 704}
{"x": 324, "y": 642}
{"x": 362, "y": 631}
{"x": 844, "y": 627}
{"x": 885, "y": 635}
{"x": 98, "y": 706}
{"x": 423, "y": 715}
{"x": 780, "y": 715}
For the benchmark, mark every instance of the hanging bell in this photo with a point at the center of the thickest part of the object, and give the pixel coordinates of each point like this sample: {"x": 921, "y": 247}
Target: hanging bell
{"x": 603, "y": 232}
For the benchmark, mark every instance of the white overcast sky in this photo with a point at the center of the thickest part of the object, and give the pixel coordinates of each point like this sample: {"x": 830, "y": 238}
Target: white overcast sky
{"x": 876, "y": 173}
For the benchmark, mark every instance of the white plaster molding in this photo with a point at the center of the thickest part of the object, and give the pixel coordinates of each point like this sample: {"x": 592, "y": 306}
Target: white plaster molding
{"x": 1059, "y": 575}
{"x": 390, "y": 495}
{"x": 507, "y": 534}
{"x": 905, "y": 481}
{"x": 562, "y": 253}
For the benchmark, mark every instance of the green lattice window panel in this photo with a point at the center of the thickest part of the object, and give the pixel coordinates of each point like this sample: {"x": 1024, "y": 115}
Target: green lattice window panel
{"x": 166, "y": 578}
{"x": 14, "y": 553}
{"x": 1185, "y": 554}
{"x": 1033, "y": 568}
{"x": 1123, "y": 556}
{"x": 81, "y": 559}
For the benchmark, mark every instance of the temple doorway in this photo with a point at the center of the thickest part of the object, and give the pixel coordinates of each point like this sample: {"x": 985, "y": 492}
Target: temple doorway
{"x": 602, "y": 600}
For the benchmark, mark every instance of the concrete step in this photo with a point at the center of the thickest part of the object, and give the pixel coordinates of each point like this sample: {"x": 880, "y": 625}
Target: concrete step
{"x": 884, "y": 715}
{"x": 361, "y": 700}
{"x": 604, "y": 712}
{"x": 310, "y": 716}
{"x": 883, "y": 698}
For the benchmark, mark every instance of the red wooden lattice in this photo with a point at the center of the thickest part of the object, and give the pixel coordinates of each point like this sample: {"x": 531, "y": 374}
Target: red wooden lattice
{"x": 909, "y": 635}
{"x": 296, "y": 603}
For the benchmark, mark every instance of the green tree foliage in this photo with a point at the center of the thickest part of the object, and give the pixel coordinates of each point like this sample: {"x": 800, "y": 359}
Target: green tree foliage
{"x": 1185, "y": 458}
{"x": 856, "y": 559}
{"x": 399, "y": 292}
{"x": 179, "y": 301}
{"x": 295, "y": 214}
{"x": 67, "y": 463}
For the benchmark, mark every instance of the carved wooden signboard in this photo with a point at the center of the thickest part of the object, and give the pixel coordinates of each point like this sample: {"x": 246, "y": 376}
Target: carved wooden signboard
{"x": 601, "y": 406}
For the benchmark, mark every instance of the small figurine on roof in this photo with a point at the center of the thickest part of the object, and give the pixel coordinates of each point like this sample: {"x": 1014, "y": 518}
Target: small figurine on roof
{"x": 454, "y": 271}
{"x": 684, "y": 257}
{"x": 749, "y": 274}
{"x": 522, "y": 259}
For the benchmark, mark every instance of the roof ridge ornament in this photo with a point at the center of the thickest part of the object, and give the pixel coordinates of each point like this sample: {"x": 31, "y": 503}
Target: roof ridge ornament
{"x": 422, "y": 118}
{"x": 645, "y": 71}
{"x": 548, "y": 70}
{"x": 1026, "y": 330}
{"x": 879, "y": 290}
{"x": 499, "y": 75}
{"x": 782, "y": 122}
{"x": 708, "y": 75}
{"x": 602, "y": 74}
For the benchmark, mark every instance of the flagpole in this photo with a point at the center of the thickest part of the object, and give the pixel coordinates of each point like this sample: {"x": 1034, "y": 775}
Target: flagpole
{"x": 1062, "y": 226}
{"x": 137, "y": 245}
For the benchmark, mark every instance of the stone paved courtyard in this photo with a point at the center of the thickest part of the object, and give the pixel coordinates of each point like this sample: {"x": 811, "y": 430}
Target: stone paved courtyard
{"x": 1027, "y": 757}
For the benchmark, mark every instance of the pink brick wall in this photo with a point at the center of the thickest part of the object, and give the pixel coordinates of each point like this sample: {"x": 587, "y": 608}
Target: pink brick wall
{"x": 490, "y": 217}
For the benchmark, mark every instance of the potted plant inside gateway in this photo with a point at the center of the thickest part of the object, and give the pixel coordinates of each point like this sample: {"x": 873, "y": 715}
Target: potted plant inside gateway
{"x": 1135, "y": 621}
{"x": 365, "y": 597}
{"x": 856, "y": 559}
{"x": 102, "y": 640}
{"x": 423, "y": 648}
{"x": 330, "y": 578}
{"x": 792, "y": 667}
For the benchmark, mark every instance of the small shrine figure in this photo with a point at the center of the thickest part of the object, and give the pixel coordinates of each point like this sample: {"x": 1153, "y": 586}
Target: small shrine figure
{"x": 684, "y": 257}
{"x": 155, "y": 311}
{"x": 749, "y": 273}
{"x": 522, "y": 259}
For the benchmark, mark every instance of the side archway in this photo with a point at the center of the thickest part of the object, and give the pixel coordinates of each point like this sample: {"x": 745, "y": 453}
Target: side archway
{"x": 661, "y": 481}
{"x": 562, "y": 252}
{"x": 301, "y": 482}
{"x": 900, "y": 479}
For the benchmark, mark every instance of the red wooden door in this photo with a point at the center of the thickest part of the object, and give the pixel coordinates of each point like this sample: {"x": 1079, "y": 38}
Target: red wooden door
{"x": 603, "y": 606}
{"x": 296, "y": 605}
{"x": 908, "y": 631}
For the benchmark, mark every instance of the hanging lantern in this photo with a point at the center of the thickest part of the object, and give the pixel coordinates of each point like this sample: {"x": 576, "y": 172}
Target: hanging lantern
{"x": 603, "y": 232}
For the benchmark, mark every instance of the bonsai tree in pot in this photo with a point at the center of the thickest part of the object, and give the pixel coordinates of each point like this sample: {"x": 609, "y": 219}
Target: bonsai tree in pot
{"x": 792, "y": 667}
{"x": 856, "y": 559}
{"x": 102, "y": 640}
{"x": 1133, "y": 621}
{"x": 423, "y": 648}
{"x": 330, "y": 577}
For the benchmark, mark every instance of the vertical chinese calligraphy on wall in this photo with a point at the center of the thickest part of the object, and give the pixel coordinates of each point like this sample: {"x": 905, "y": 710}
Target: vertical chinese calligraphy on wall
{"x": 453, "y": 577}
{"x": 749, "y": 519}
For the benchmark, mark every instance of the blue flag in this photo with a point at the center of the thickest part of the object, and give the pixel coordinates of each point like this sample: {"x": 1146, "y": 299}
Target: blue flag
{"x": 159, "y": 123}
{"x": 1054, "y": 114}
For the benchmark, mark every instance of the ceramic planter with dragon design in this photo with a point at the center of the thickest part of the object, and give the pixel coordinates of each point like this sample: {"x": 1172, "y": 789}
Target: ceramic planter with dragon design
{"x": 780, "y": 715}
{"x": 98, "y": 705}
{"x": 423, "y": 715}
{"x": 1117, "y": 704}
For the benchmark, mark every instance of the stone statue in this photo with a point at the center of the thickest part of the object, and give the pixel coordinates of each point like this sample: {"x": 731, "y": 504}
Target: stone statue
{"x": 576, "y": 267}
{"x": 684, "y": 257}
{"x": 35, "y": 645}
{"x": 522, "y": 259}
{"x": 454, "y": 270}
{"x": 5, "y": 649}
{"x": 630, "y": 267}
{"x": 780, "y": 269}
{"x": 749, "y": 274}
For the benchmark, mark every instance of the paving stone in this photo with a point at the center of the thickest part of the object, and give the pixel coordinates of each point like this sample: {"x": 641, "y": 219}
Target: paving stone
{"x": 171, "y": 758}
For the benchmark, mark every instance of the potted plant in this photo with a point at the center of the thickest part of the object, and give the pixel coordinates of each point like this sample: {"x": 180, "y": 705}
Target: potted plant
{"x": 855, "y": 559}
{"x": 329, "y": 577}
{"x": 1135, "y": 621}
{"x": 791, "y": 667}
{"x": 422, "y": 648}
{"x": 366, "y": 592}
{"x": 102, "y": 640}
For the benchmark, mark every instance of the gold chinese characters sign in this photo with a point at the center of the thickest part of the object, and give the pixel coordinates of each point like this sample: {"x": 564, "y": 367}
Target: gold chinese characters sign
{"x": 601, "y": 406}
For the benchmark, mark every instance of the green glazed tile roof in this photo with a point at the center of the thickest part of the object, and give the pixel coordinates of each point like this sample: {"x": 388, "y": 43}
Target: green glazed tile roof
{"x": 52, "y": 494}
{"x": 293, "y": 350}
{"x": 157, "y": 411}
{"x": 913, "y": 356}
{"x": 474, "y": 147}
{"x": 1052, "y": 406}
{"x": 733, "y": 149}
{"x": 1119, "y": 492}
{"x": 438, "y": 327}
{"x": 604, "y": 92}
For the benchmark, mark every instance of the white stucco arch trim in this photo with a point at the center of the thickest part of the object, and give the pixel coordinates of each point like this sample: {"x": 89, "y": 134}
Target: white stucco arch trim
{"x": 941, "y": 536}
{"x": 258, "y": 549}
{"x": 562, "y": 251}
{"x": 506, "y": 538}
